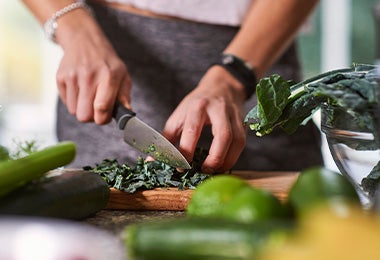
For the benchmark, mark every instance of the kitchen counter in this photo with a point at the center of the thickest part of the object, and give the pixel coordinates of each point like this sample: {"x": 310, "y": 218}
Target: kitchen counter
{"x": 115, "y": 221}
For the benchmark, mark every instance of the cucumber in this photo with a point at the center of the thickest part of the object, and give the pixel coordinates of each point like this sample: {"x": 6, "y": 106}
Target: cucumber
{"x": 15, "y": 173}
{"x": 201, "y": 238}
{"x": 70, "y": 195}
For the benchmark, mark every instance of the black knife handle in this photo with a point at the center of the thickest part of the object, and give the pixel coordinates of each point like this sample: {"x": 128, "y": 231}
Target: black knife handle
{"x": 122, "y": 114}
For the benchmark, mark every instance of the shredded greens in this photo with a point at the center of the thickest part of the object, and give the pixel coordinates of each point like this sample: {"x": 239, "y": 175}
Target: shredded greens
{"x": 149, "y": 174}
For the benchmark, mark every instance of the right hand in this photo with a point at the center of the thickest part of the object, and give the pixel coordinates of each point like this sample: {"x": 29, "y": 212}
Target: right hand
{"x": 91, "y": 77}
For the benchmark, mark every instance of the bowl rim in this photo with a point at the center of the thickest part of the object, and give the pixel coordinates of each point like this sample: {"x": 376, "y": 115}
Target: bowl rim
{"x": 335, "y": 132}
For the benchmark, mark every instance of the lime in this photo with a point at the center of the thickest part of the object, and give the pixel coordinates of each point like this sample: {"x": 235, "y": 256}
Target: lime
{"x": 251, "y": 204}
{"x": 317, "y": 185}
{"x": 209, "y": 198}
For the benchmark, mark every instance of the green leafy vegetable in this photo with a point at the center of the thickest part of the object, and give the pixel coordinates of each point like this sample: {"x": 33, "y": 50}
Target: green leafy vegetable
{"x": 149, "y": 174}
{"x": 354, "y": 90}
{"x": 286, "y": 105}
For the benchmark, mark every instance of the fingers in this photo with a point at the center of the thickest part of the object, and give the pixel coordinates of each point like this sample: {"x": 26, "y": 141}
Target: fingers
{"x": 185, "y": 125}
{"x": 222, "y": 138}
{"x": 228, "y": 142}
{"x": 229, "y": 135}
{"x": 238, "y": 141}
{"x": 90, "y": 92}
{"x": 192, "y": 128}
{"x": 106, "y": 94}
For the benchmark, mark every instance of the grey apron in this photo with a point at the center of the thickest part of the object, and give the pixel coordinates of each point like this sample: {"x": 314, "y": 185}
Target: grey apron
{"x": 166, "y": 59}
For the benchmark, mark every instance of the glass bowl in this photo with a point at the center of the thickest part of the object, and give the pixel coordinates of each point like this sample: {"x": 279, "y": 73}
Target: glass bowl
{"x": 354, "y": 146}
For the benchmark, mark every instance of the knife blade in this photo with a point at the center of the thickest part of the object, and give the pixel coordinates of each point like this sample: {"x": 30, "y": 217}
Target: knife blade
{"x": 146, "y": 139}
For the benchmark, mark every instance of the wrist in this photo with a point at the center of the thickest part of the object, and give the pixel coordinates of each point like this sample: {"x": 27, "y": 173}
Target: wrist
{"x": 69, "y": 31}
{"x": 225, "y": 82}
{"x": 51, "y": 25}
{"x": 241, "y": 71}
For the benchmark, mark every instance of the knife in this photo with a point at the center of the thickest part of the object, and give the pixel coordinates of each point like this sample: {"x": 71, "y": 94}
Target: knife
{"x": 147, "y": 140}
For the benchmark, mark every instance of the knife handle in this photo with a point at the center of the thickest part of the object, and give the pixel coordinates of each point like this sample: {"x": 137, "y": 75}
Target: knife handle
{"x": 122, "y": 115}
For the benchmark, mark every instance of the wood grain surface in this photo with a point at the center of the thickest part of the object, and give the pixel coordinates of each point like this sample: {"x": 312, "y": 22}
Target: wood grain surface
{"x": 278, "y": 183}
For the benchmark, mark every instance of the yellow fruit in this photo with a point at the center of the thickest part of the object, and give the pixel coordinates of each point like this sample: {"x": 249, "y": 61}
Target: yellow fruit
{"x": 251, "y": 204}
{"x": 209, "y": 198}
{"x": 344, "y": 232}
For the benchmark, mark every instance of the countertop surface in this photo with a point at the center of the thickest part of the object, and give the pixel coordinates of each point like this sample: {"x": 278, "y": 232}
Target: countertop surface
{"x": 115, "y": 221}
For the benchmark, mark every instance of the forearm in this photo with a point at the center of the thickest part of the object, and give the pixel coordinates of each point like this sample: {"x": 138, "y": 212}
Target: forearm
{"x": 77, "y": 22}
{"x": 267, "y": 31}
{"x": 91, "y": 76}
{"x": 43, "y": 9}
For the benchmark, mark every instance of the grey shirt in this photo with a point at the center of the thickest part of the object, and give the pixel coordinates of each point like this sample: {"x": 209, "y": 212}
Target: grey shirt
{"x": 166, "y": 59}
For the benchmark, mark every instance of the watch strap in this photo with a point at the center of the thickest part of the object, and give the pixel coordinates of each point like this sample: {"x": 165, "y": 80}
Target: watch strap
{"x": 241, "y": 70}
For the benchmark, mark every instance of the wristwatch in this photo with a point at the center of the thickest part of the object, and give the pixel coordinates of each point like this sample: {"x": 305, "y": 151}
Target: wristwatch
{"x": 241, "y": 70}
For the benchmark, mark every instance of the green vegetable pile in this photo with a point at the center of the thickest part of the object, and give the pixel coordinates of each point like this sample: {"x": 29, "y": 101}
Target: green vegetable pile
{"x": 254, "y": 225}
{"x": 353, "y": 90}
{"x": 288, "y": 105}
{"x": 149, "y": 174}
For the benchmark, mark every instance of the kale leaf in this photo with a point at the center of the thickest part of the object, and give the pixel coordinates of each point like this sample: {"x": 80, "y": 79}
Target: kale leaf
{"x": 354, "y": 90}
{"x": 286, "y": 105}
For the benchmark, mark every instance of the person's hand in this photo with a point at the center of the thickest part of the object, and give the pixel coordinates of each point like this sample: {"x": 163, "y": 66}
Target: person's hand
{"x": 217, "y": 100}
{"x": 91, "y": 77}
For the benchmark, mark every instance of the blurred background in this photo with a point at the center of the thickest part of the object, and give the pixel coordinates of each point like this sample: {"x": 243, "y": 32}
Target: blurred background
{"x": 339, "y": 33}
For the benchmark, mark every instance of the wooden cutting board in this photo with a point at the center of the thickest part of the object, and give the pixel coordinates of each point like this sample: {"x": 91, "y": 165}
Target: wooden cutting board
{"x": 278, "y": 183}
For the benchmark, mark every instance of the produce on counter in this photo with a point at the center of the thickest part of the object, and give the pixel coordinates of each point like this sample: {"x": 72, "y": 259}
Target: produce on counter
{"x": 68, "y": 195}
{"x": 15, "y": 173}
{"x": 230, "y": 197}
{"x": 218, "y": 236}
{"x": 344, "y": 233}
{"x": 354, "y": 90}
{"x": 150, "y": 174}
{"x": 202, "y": 238}
{"x": 287, "y": 105}
{"x": 209, "y": 198}
{"x": 317, "y": 185}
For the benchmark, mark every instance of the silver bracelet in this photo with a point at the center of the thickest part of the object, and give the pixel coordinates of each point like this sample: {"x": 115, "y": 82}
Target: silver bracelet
{"x": 51, "y": 25}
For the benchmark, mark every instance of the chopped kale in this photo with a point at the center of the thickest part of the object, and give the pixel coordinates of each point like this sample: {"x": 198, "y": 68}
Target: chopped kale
{"x": 149, "y": 174}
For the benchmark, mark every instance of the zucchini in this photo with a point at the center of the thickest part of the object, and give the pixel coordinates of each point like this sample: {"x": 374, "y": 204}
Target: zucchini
{"x": 201, "y": 238}
{"x": 70, "y": 195}
{"x": 15, "y": 173}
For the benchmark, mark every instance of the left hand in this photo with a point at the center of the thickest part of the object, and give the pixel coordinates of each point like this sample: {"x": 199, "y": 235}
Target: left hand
{"x": 217, "y": 101}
